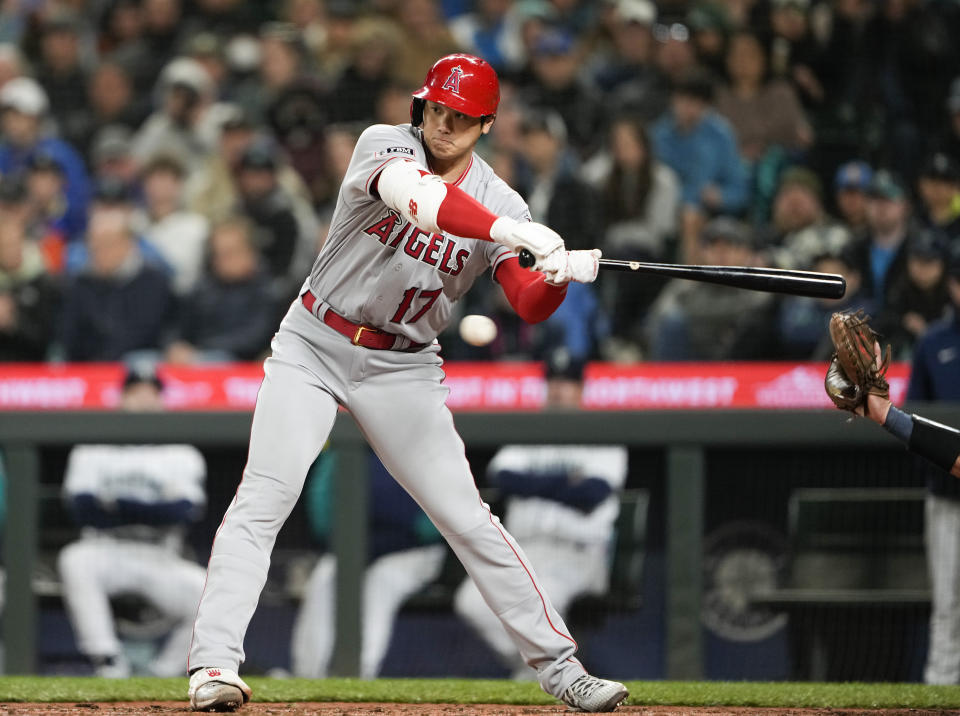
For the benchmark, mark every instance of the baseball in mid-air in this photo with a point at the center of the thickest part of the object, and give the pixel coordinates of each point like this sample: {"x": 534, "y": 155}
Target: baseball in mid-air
{"x": 477, "y": 330}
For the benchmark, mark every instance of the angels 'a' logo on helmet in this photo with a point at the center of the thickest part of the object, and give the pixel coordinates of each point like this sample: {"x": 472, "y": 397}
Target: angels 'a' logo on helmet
{"x": 452, "y": 82}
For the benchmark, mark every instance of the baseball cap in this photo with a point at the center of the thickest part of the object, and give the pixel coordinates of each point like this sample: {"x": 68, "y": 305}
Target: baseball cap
{"x": 941, "y": 165}
{"x": 544, "y": 120}
{"x": 886, "y": 185}
{"x": 111, "y": 190}
{"x": 142, "y": 373}
{"x": 553, "y": 42}
{"x": 236, "y": 117}
{"x": 928, "y": 243}
{"x": 726, "y": 228}
{"x": 855, "y": 174}
{"x": 44, "y": 162}
{"x": 802, "y": 177}
{"x": 113, "y": 142}
{"x": 25, "y": 95}
{"x": 707, "y": 16}
{"x": 642, "y": 12}
{"x": 258, "y": 155}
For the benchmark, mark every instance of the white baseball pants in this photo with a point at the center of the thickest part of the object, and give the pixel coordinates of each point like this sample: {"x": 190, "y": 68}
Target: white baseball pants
{"x": 94, "y": 569}
{"x": 942, "y": 527}
{"x": 397, "y": 399}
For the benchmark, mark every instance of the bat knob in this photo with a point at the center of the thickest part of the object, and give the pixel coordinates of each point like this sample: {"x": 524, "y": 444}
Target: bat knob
{"x": 527, "y": 259}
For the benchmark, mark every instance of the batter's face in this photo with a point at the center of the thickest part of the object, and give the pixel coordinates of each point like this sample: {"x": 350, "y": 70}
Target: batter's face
{"x": 451, "y": 135}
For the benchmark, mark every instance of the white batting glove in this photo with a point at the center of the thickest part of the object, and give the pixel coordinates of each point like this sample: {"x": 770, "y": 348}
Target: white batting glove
{"x": 538, "y": 239}
{"x": 562, "y": 267}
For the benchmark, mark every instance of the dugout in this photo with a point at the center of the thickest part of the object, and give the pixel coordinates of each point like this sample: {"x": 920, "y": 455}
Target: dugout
{"x": 704, "y": 471}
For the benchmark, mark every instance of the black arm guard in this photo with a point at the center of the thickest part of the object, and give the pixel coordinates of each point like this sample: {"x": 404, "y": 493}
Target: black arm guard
{"x": 938, "y": 443}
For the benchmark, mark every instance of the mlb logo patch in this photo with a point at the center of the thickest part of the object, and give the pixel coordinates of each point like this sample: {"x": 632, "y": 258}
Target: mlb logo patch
{"x": 406, "y": 151}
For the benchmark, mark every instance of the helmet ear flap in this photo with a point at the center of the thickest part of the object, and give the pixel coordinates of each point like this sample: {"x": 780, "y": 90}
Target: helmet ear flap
{"x": 416, "y": 111}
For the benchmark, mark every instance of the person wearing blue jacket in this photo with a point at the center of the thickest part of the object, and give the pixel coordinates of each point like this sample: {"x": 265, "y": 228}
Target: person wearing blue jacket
{"x": 701, "y": 147}
{"x": 24, "y": 117}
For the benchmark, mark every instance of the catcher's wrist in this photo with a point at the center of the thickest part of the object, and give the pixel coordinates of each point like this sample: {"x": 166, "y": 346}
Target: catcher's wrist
{"x": 898, "y": 424}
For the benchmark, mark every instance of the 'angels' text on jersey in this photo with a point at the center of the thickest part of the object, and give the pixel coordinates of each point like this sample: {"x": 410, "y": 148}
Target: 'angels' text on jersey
{"x": 435, "y": 249}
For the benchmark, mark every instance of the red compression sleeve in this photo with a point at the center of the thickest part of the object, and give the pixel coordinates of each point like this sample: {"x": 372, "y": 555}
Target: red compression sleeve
{"x": 462, "y": 215}
{"x": 531, "y": 297}
{"x": 459, "y": 213}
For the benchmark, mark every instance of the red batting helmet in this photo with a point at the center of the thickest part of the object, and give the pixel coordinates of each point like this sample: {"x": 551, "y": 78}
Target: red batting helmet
{"x": 461, "y": 82}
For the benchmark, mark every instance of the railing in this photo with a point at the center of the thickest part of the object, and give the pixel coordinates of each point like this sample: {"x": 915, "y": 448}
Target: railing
{"x": 684, "y": 435}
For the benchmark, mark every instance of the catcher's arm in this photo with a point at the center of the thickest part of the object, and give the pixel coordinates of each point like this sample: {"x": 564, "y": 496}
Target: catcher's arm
{"x": 936, "y": 442}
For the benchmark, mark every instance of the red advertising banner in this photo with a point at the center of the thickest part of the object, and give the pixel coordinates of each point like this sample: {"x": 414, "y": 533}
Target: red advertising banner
{"x": 473, "y": 386}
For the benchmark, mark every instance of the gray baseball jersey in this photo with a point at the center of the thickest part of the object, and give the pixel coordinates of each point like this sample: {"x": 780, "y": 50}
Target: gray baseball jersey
{"x": 376, "y": 268}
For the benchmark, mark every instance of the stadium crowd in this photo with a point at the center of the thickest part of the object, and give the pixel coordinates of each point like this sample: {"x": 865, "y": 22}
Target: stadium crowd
{"x": 168, "y": 167}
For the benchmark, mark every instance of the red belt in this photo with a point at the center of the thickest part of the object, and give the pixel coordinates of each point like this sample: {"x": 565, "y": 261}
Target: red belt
{"x": 359, "y": 334}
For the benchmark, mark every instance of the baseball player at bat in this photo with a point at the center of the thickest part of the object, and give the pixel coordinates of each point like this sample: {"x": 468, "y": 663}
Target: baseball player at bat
{"x": 418, "y": 218}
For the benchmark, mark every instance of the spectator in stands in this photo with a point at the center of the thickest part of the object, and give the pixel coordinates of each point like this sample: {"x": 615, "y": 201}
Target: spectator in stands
{"x": 179, "y": 235}
{"x": 709, "y": 30}
{"x": 938, "y": 187}
{"x": 490, "y": 31}
{"x": 639, "y": 195}
{"x": 47, "y": 202}
{"x": 934, "y": 377}
{"x": 700, "y": 146}
{"x": 184, "y": 123}
{"x": 561, "y": 503}
{"x": 211, "y": 190}
{"x": 764, "y": 112}
{"x": 675, "y": 55}
{"x": 912, "y": 61}
{"x": 229, "y": 315}
{"x": 133, "y": 504}
{"x": 405, "y": 555}
{"x": 353, "y": 97}
{"x": 24, "y": 110}
{"x": 629, "y": 78}
{"x": 882, "y": 253}
{"x": 700, "y": 321}
{"x": 640, "y": 201}
{"x": 423, "y": 37}
{"x": 111, "y": 100}
{"x": 161, "y": 35}
{"x": 28, "y": 297}
{"x": 793, "y": 48}
{"x": 797, "y": 327}
{"x": 60, "y": 70}
{"x": 919, "y": 296}
{"x": 555, "y": 84}
{"x": 556, "y": 195}
{"x": 279, "y": 231}
{"x": 850, "y": 185}
{"x": 118, "y": 303}
{"x": 111, "y": 155}
{"x": 295, "y": 111}
{"x": 801, "y": 228}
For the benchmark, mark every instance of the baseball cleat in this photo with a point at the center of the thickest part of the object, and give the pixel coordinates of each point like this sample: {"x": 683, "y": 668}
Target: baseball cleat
{"x": 215, "y": 689}
{"x": 593, "y": 695}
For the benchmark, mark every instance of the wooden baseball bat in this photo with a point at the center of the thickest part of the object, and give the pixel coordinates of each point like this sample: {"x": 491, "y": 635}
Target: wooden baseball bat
{"x": 771, "y": 280}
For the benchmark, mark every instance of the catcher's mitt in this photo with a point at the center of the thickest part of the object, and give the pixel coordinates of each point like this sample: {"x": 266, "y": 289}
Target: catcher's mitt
{"x": 856, "y": 370}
